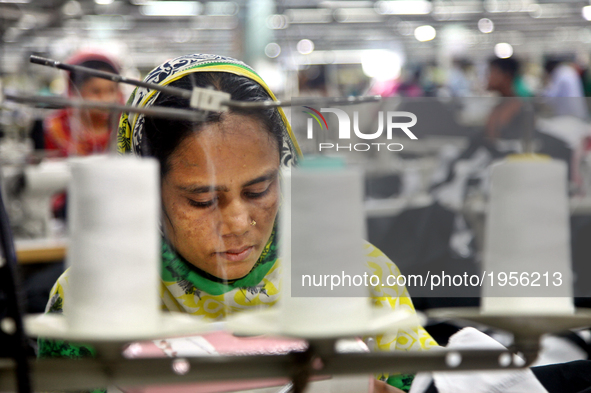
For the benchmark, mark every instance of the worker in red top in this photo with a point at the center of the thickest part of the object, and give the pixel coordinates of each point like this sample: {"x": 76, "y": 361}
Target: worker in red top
{"x": 80, "y": 132}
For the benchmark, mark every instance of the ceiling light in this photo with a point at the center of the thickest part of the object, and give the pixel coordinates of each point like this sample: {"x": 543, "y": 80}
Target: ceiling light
{"x": 503, "y": 50}
{"x": 171, "y": 8}
{"x": 587, "y": 12}
{"x": 425, "y": 33}
{"x": 381, "y": 64}
{"x": 272, "y": 50}
{"x": 305, "y": 47}
{"x": 345, "y": 4}
{"x": 72, "y": 8}
{"x": 486, "y": 25}
{"x": 403, "y": 7}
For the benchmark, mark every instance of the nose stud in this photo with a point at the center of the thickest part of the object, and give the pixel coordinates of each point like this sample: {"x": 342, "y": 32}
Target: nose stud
{"x": 253, "y": 223}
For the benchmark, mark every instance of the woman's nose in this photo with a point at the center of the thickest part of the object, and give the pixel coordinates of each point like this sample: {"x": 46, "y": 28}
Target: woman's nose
{"x": 235, "y": 219}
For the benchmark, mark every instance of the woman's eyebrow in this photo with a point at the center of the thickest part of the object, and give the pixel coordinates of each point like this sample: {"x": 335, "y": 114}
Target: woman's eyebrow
{"x": 205, "y": 189}
{"x": 267, "y": 176}
{"x": 202, "y": 189}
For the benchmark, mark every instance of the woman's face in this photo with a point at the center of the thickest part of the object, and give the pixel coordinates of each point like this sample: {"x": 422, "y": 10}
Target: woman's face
{"x": 96, "y": 89}
{"x": 220, "y": 181}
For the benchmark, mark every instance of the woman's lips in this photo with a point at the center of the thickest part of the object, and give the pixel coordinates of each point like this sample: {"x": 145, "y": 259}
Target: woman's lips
{"x": 237, "y": 255}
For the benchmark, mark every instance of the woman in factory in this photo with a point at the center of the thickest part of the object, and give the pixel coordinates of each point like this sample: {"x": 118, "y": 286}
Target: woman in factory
{"x": 76, "y": 132}
{"x": 220, "y": 200}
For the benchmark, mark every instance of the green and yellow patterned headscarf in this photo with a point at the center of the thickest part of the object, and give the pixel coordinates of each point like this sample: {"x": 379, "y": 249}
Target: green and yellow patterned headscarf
{"x": 131, "y": 126}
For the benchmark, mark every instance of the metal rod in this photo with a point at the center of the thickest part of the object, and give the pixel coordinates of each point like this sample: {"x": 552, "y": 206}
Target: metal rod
{"x": 66, "y": 374}
{"x": 13, "y": 338}
{"x": 183, "y": 114}
{"x": 300, "y": 101}
{"x": 155, "y": 111}
{"x": 109, "y": 76}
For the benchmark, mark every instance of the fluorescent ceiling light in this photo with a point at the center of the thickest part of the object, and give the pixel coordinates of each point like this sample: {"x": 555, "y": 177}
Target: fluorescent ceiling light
{"x": 451, "y": 11}
{"x": 425, "y": 33}
{"x": 587, "y": 12}
{"x": 403, "y": 7}
{"x": 171, "y": 8}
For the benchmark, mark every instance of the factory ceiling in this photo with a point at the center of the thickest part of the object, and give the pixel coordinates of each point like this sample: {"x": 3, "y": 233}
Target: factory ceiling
{"x": 465, "y": 28}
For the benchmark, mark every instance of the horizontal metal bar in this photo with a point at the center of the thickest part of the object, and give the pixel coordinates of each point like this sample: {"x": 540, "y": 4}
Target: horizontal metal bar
{"x": 301, "y": 101}
{"x": 412, "y": 362}
{"x": 67, "y": 374}
{"x": 154, "y": 111}
{"x": 174, "y": 113}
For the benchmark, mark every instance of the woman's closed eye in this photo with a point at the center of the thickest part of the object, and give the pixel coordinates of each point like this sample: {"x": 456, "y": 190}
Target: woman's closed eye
{"x": 258, "y": 192}
{"x": 202, "y": 204}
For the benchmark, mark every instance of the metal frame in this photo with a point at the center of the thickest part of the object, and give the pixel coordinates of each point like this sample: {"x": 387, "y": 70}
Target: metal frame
{"x": 13, "y": 341}
{"x": 67, "y": 374}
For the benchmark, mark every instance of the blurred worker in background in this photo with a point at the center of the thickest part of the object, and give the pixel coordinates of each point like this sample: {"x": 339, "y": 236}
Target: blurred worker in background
{"x": 73, "y": 132}
{"x": 502, "y": 74}
{"x": 564, "y": 89}
{"x": 504, "y": 121}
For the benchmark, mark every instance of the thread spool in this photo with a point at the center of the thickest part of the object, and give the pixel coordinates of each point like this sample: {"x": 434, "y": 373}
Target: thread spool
{"x": 319, "y": 204}
{"x": 527, "y": 232}
{"x": 113, "y": 209}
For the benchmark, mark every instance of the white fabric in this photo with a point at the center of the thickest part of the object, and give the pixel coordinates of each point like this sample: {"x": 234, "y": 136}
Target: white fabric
{"x": 510, "y": 381}
{"x": 558, "y": 350}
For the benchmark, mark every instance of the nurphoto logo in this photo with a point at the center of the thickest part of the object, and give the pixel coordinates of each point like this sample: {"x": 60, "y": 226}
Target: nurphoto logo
{"x": 392, "y": 120}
